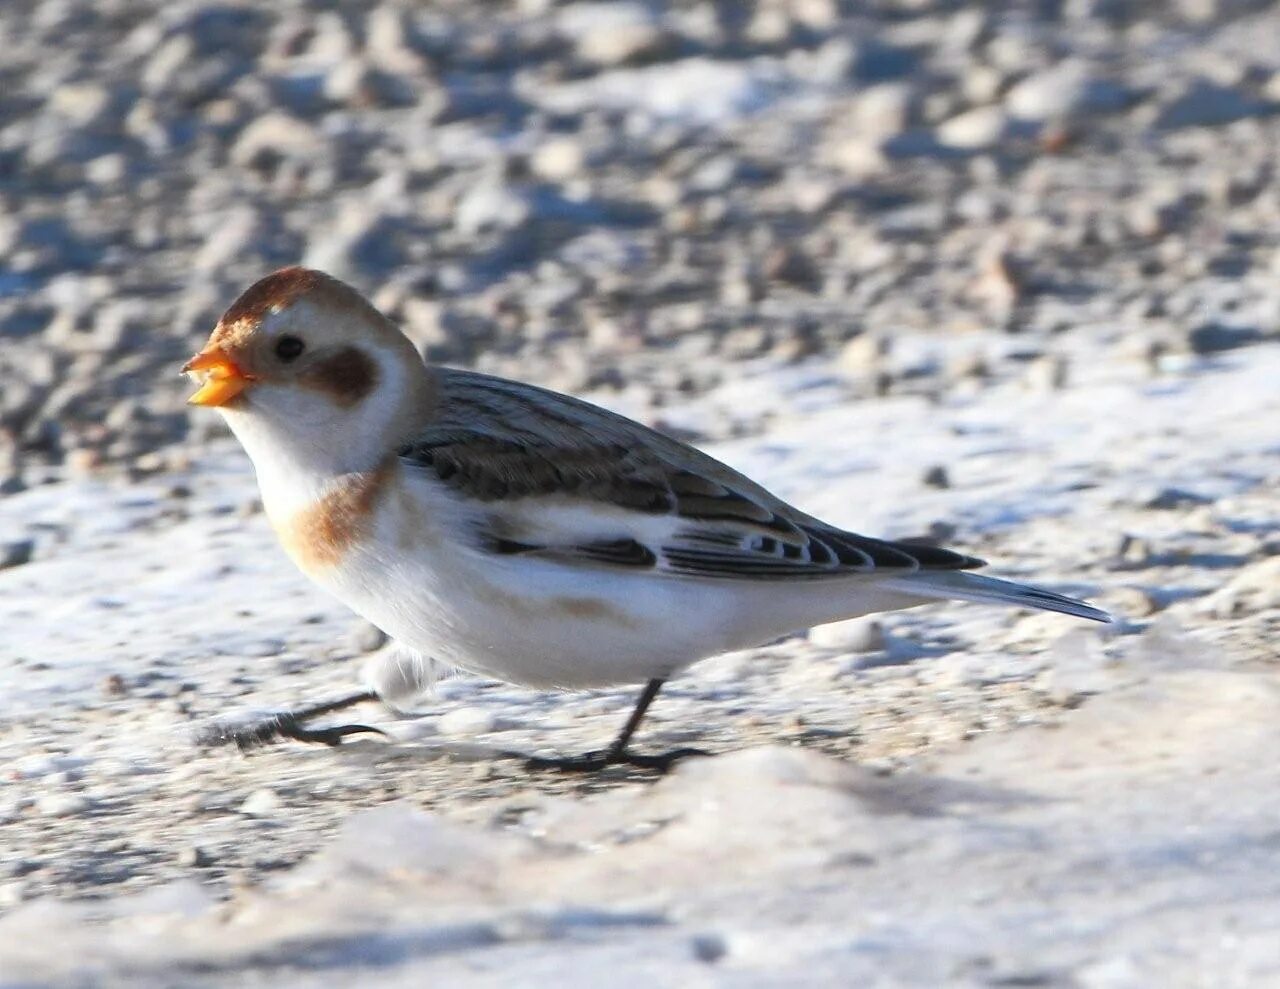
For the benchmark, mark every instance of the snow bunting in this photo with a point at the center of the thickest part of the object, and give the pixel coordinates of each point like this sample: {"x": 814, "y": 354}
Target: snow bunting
{"x": 520, "y": 534}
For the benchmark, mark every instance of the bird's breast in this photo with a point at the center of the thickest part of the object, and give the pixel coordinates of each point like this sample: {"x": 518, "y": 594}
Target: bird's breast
{"x": 320, "y": 534}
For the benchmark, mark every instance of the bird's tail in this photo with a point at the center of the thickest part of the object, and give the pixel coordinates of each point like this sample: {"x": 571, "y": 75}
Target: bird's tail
{"x": 958, "y": 585}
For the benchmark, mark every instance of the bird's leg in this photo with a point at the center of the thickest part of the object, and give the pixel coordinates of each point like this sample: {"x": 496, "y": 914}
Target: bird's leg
{"x": 289, "y": 724}
{"x": 617, "y": 753}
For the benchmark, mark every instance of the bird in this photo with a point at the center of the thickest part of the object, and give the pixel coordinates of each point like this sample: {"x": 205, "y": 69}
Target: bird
{"x": 516, "y": 533}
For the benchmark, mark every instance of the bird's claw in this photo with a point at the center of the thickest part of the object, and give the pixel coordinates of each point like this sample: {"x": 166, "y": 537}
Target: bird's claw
{"x": 594, "y": 761}
{"x": 275, "y": 728}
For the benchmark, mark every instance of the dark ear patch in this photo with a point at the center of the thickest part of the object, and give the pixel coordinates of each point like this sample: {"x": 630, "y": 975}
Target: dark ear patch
{"x": 348, "y": 375}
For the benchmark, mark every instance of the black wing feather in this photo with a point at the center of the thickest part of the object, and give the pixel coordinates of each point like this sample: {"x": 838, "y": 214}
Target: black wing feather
{"x": 499, "y": 443}
{"x": 827, "y": 552}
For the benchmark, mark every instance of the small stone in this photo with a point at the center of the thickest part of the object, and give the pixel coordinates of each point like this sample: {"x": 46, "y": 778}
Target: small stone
{"x": 936, "y": 477}
{"x": 1067, "y": 89}
{"x": 354, "y": 83}
{"x": 640, "y": 42}
{"x": 859, "y": 635}
{"x": 193, "y": 856}
{"x": 855, "y": 155}
{"x": 114, "y": 685}
{"x": 467, "y": 721}
{"x": 558, "y": 160}
{"x": 1048, "y": 373}
{"x": 938, "y": 533}
{"x": 769, "y": 26}
{"x": 1267, "y": 547}
{"x": 16, "y": 552}
{"x": 272, "y": 138}
{"x": 974, "y": 130}
{"x": 1133, "y": 551}
{"x": 263, "y": 648}
{"x": 261, "y": 803}
{"x": 708, "y": 948}
{"x": 1213, "y": 338}
{"x": 1046, "y": 95}
{"x": 17, "y": 868}
{"x": 982, "y": 84}
{"x": 614, "y": 34}
{"x": 741, "y": 288}
{"x": 1055, "y": 138}
{"x": 489, "y": 205}
{"x": 744, "y": 342}
{"x": 883, "y": 111}
{"x": 167, "y": 63}
{"x": 968, "y": 366}
{"x": 1131, "y": 602}
{"x": 389, "y": 41}
{"x": 62, "y": 804}
{"x": 80, "y": 103}
{"x": 715, "y": 175}
{"x": 1168, "y": 499}
{"x": 999, "y": 285}
{"x": 863, "y": 355}
{"x": 82, "y": 461}
{"x": 1253, "y": 589}
{"x": 792, "y": 266}
{"x": 107, "y": 169}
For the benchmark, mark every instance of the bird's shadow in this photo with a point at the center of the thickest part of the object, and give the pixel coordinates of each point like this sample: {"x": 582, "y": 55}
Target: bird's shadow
{"x": 901, "y": 793}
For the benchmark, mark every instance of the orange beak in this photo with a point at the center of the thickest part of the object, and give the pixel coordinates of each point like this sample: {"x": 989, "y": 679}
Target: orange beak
{"x": 223, "y": 379}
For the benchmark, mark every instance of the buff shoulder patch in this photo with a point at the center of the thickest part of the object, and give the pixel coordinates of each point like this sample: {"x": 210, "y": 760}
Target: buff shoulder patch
{"x": 319, "y": 536}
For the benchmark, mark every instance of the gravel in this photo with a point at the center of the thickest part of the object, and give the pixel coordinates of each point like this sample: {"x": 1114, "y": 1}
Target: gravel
{"x": 1003, "y": 273}
{"x": 468, "y": 169}
{"x": 16, "y": 552}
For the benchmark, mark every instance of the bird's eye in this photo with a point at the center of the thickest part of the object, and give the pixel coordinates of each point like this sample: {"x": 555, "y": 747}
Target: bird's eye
{"x": 289, "y": 348}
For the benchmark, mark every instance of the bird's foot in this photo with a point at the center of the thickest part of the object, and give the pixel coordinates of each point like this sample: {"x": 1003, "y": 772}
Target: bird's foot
{"x": 595, "y": 761}
{"x": 274, "y": 728}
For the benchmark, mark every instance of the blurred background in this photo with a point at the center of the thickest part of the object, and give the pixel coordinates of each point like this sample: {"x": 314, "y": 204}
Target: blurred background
{"x": 633, "y": 200}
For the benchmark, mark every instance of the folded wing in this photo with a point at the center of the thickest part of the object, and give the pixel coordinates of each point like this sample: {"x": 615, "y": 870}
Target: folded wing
{"x": 560, "y": 479}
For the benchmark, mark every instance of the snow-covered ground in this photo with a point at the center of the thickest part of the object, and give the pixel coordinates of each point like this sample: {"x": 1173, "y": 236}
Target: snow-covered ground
{"x": 981, "y": 797}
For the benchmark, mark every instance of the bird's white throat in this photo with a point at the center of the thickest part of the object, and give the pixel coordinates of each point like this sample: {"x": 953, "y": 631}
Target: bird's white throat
{"x": 300, "y": 442}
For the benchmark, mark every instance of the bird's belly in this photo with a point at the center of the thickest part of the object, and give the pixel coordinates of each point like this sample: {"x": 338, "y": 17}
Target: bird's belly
{"x": 533, "y": 623}
{"x": 547, "y": 624}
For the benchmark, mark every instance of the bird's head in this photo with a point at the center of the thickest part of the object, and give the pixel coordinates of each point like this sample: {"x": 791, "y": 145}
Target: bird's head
{"x": 303, "y": 367}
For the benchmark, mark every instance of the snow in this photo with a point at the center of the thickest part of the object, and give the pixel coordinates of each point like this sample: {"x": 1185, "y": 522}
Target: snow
{"x": 1114, "y": 847}
{"x": 1125, "y": 836}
